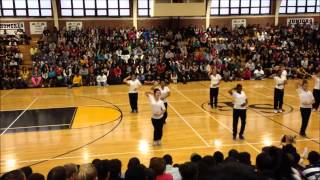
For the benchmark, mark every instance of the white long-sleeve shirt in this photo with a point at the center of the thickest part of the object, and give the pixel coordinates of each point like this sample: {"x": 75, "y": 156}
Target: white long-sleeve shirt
{"x": 306, "y": 98}
{"x": 157, "y": 106}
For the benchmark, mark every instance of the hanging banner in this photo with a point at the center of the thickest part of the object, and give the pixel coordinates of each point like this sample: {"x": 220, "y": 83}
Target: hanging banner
{"x": 11, "y": 28}
{"x": 73, "y": 25}
{"x": 37, "y": 27}
{"x": 294, "y": 21}
{"x": 236, "y": 23}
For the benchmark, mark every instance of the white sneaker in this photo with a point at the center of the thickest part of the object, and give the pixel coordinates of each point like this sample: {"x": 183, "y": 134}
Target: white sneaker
{"x": 280, "y": 111}
{"x": 275, "y": 111}
{"x": 155, "y": 143}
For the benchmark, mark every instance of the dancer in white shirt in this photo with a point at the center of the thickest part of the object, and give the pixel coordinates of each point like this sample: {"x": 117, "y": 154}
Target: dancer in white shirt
{"x": 240, "y": 102}
{"x": 278, "y": 92}
{"x": 158, "y": 110}
{"x": 134, "y": 85}
{"x": 284, "y": 72}
{"x": 165, "y": 93}
{"x": 306, "y": 101}
{"x": 214, "y": 87}
{"x": 316, "y": 91}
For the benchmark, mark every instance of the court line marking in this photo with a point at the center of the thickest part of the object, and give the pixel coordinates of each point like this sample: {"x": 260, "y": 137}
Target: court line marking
{"x": 270, "y": 97}
{"x": 8, "y": 92}
{"x": 29, "y": 127}
{"x": 34, "y": 100}
{"x": 151, "y": 150}
{"x": 188, "y": 124}
{"x": 90, "y": 105}
{"x": 223, "y": 125}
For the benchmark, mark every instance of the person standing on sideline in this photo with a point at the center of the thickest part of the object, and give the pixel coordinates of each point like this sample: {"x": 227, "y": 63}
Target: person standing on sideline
{"x": 240, "y": 103}
{"x": 280, "y": 81}
{"x": 134, "y": 85}
{"x": 316, "y": 91}
{"x": 214, "y": 87}
{"x": 158, "y": 110}
{"x": 306, "y": 101}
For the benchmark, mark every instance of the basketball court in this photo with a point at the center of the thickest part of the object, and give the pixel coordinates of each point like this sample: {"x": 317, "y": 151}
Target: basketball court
{"x": 54, "y": 126}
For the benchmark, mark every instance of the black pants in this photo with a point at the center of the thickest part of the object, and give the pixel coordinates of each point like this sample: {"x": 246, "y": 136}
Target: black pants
{"x": 316, "y": 95}
{"x": 242, "y": 113}
{"x": 157, "y": 125}
{"x": 305, "y": 114}
{"x": 278, "y": 98}
{"x": 214, "y": 94}
{"x": 165, "y": 115}
{"x": 133, "y": 98}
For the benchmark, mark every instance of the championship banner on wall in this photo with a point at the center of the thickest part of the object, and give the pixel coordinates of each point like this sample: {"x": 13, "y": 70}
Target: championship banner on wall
{"x": 73, "y": 25}
{"x": 11, "y": 28}
{"x": 294, "y": 21}
{"x": 236, "y": 23}
{"x": 37, "y": 27}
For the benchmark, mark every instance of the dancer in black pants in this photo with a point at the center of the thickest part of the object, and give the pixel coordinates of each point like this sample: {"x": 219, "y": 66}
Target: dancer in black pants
{"x": 158, "y": 110}
{"x": 214, "y": 87}
{"x": 240, "y": 102}
{"x": 134, "y": 84}
{"x": 316, "y": 91}
{"x": 278, "y": 92}
{"x": 306, "y": 101}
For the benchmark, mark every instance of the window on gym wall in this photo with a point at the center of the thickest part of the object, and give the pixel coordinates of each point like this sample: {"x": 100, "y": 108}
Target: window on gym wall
{"x": 299, "y": 6}
{"x": 144, "y": 7}
{"x": 95, "y": 8}
{"x": 25, "y": 8}
{"x": 240, "y": 7}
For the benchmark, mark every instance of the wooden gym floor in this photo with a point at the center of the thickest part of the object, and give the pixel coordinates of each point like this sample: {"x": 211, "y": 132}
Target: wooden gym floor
{"x": 98, "y": 124}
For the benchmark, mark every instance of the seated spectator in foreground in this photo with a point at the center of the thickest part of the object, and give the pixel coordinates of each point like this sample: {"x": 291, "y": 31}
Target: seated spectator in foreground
{"x": 159, "y": 166}
{"x": 27, "y": 171}
{"x": 170, "y": 169}
{"x": 14, "y": 175}
{"x": 77, "y": 80}
{"x": 87, "y": 172}
{"x": 258, "y": 73}
{"x": 36, "y": 176}
{"x": 312, "y": 171}
{"x": 102, "y": 80}
{"x": 57, "y": 173}
{"x": 189, "y": 171}
{"x": 218, "y": 156}
{"x": 115, "y": 169}
{"x": 71, "y": 171}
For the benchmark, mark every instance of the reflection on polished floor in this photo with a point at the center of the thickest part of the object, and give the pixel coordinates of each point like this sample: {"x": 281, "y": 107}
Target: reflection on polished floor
{"x": 53, "y": 126}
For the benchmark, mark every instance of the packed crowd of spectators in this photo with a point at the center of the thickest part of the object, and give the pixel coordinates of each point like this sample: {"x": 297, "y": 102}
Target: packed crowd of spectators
{"x": 11, "y": 59}
{"x": 101, "y": 56}
{"x": 273, "y": 163}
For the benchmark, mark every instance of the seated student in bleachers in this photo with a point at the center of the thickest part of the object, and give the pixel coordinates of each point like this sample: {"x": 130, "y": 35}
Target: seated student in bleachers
{"x": 102, "y": 80}
{"x": 174, "y": 78}
{"x": 36, "y": 78}
{"x": 247, "y": 75}
{"x": 77, "y": 80}
{"x": 52, "y": 77}
{"x": 25, "y": 77}
{"x": 258, "y": 73}
{"x": 67, "y": 77}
